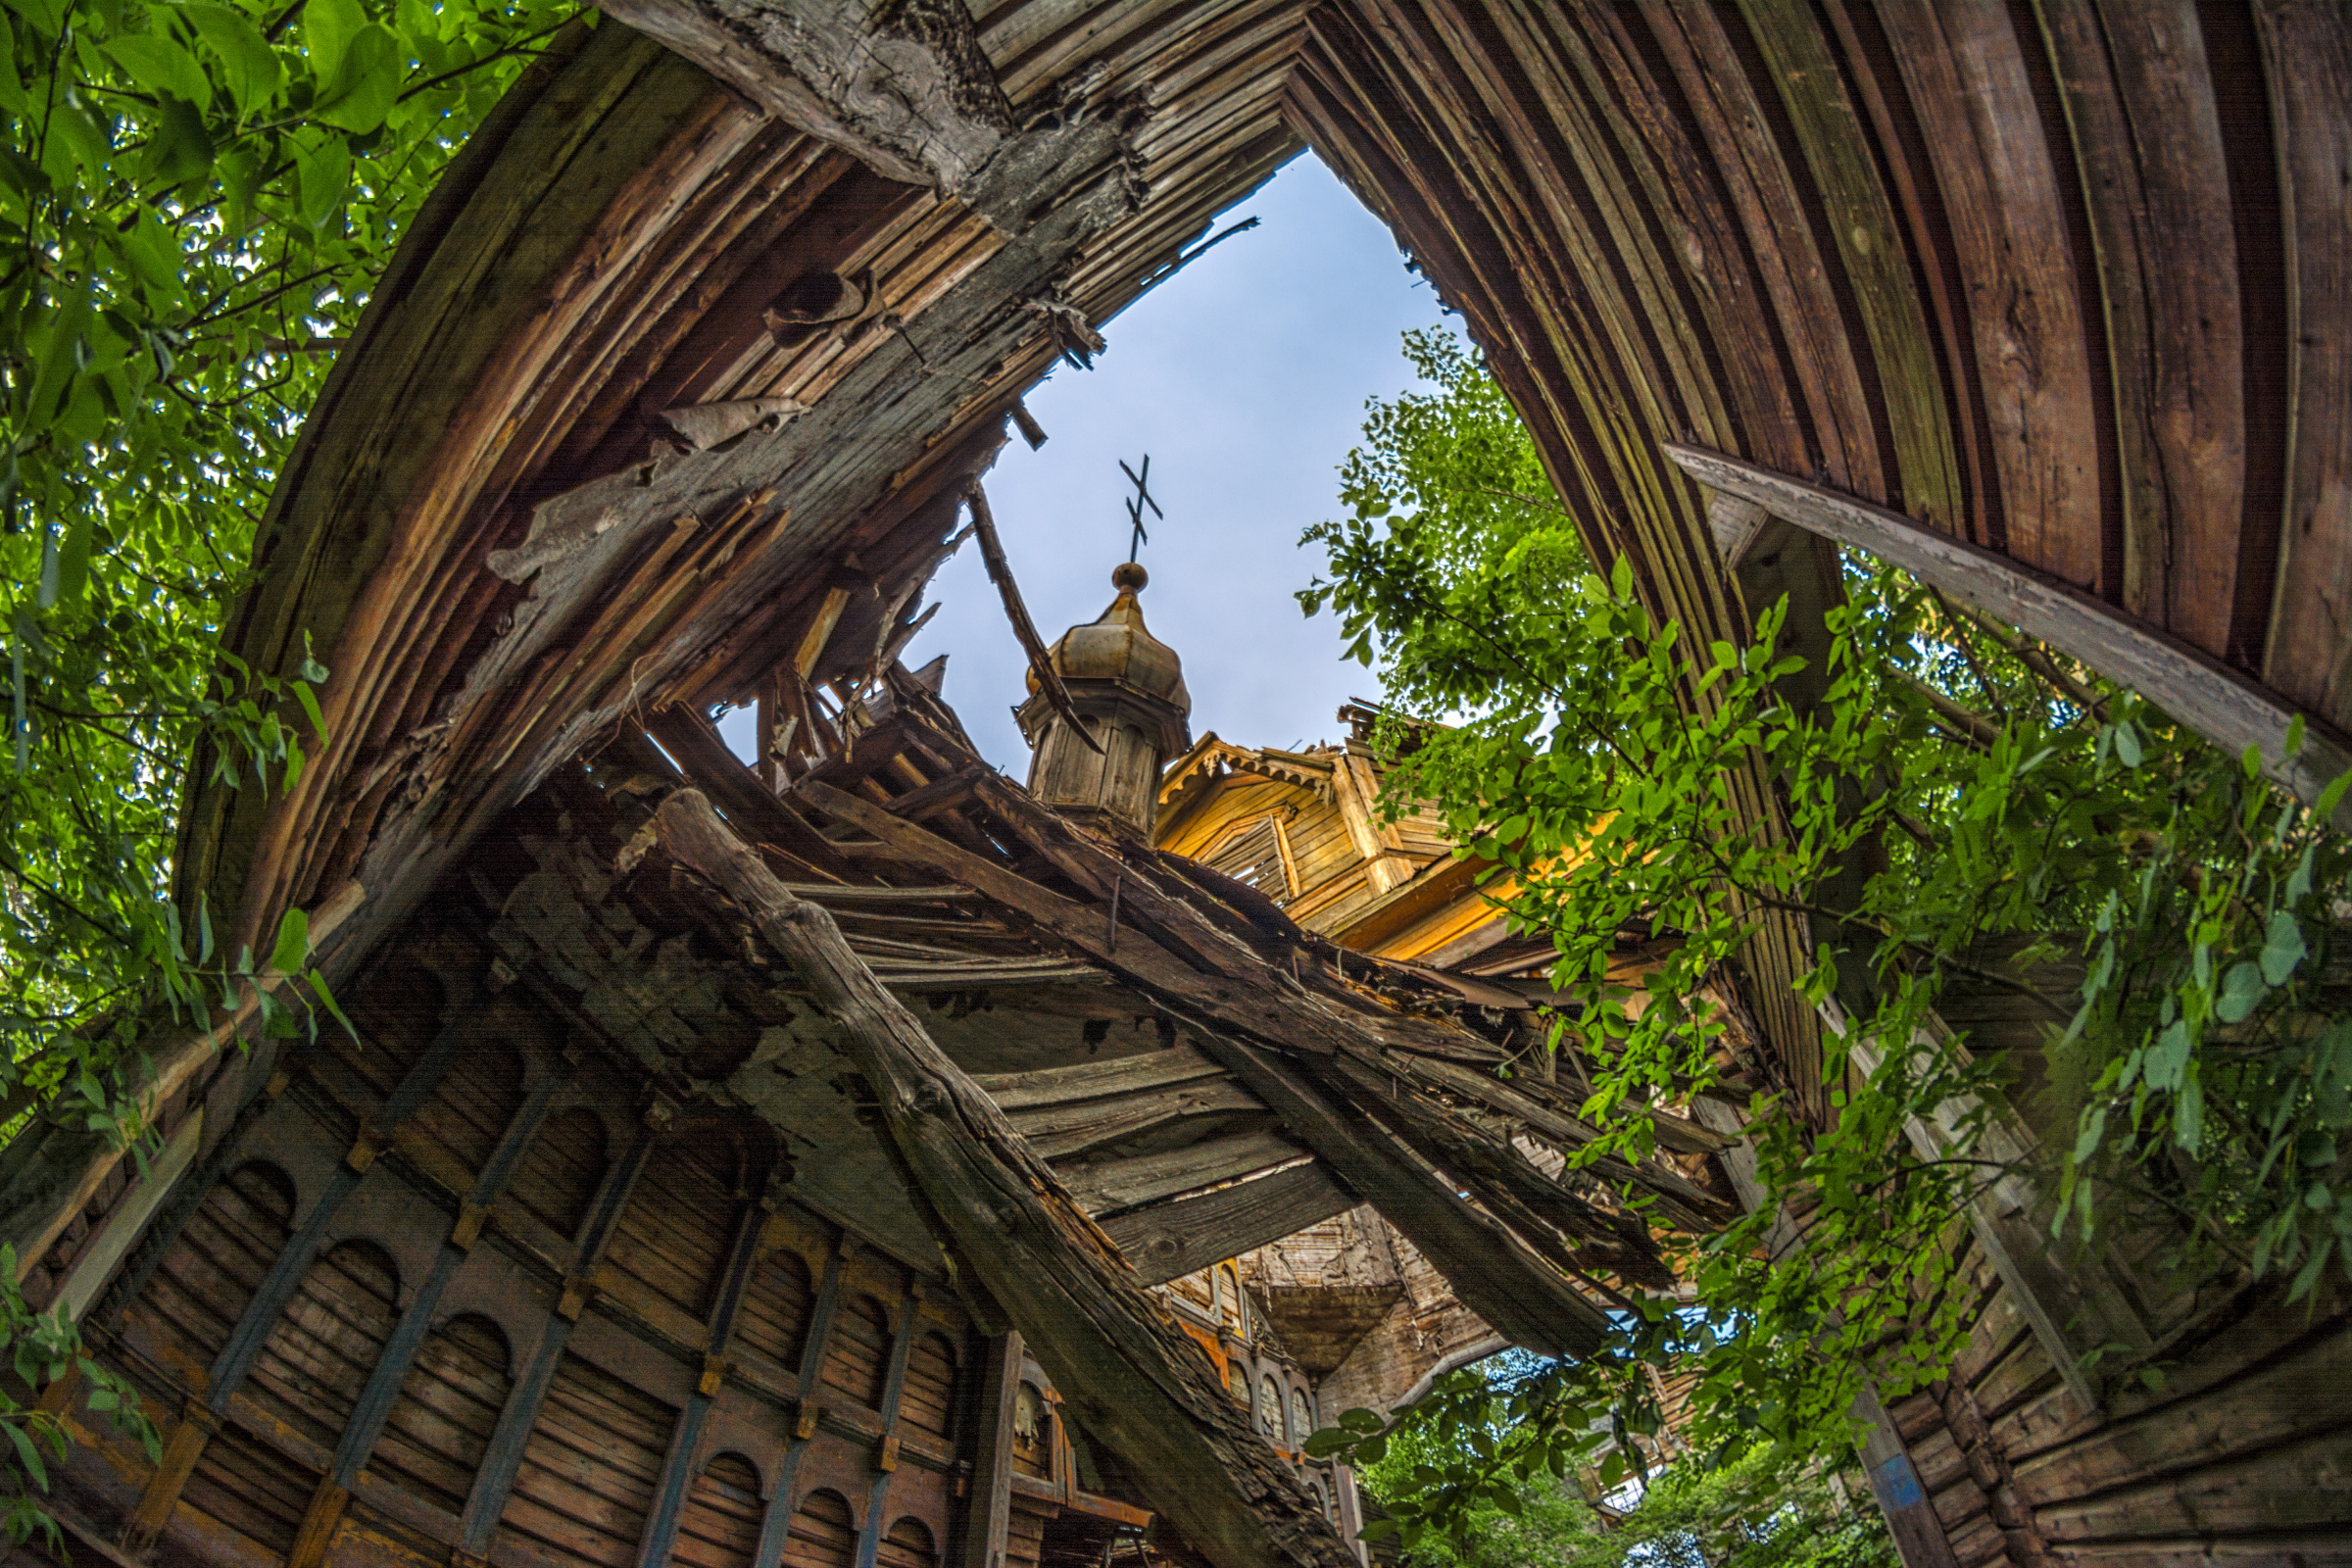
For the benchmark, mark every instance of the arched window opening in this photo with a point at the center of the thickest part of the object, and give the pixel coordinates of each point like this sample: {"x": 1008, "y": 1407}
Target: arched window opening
{"x": 719, "y": 1527}
{"x": 774, "y": 1319}
{"x": 448, "y": 1405}
{"x": 1237, "y": 1379}
{"x": 590, "y": 1471}
{"x": 927, "y": 1403}
{"x": 556, "y": 1178}
{"x": 824, "y": 1533}
{"x": 857, "y": 1351}
{"x": 322, "y": 1347}
{"x": 1303, "y": 1416}
{"x": 1269, "y": 1410}
{"x": 908, "y": 1545}
{"x": 1229, "y": 1304}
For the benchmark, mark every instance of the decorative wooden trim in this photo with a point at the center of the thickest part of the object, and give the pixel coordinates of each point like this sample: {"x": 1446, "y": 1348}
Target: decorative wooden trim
{"x": 885, "y": 1452}
{"x": 96, "y": 1264}
{"x": 382, "y": 1392}
{"x": 2219, "y": 702}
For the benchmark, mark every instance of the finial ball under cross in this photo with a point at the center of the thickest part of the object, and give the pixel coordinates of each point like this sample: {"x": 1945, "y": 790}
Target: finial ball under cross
{"x": 1127, "y": 576}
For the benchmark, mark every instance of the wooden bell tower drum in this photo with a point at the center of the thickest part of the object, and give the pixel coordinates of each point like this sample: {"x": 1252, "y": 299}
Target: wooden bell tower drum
{"x": 1127, "y": 686}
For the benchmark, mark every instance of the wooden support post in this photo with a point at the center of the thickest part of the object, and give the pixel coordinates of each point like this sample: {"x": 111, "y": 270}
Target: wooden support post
{"x": 679, "y": 1470}
{"x": 869, "y": 1539}
{"x": 504, "y": 1457}
{"x": 2219, "y": 702}
{"x": 775, "y": 1527}
{"x": 988, "y": 1512}
{"x": 1152, "y": 1396}
{"x": 197, "y": 1423}
{"x": 1894, "y": 1481}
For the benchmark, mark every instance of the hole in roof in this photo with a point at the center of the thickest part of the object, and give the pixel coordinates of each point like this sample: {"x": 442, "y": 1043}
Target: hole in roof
{"x": 1244, "y": 378}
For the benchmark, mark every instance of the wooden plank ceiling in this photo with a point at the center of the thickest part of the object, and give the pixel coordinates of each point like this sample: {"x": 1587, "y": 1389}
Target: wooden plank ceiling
{"x": 2069, "y": 280}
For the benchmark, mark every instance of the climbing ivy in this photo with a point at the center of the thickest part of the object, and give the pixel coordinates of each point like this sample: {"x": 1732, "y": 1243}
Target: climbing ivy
{"x": 1959, "y": 803}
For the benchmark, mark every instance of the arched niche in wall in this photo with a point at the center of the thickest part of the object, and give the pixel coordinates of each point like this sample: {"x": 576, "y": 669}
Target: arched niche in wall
{"x": 1302, "y": 1415}
{"x": 1269, "y": 1408}
{"x": 449, "y": 1405}
{"x": 776, "y": 1305}
{"x": 305, "y": 1378}
{"x": 207, "y": 1276}
{"x": 719, "y": 1527}
{"x": 857, "y": 1351}
{"x": 319, "y": 1354}
{"x": 396, "y": 1011}
{"x": 674, "y": 1236}
{"x": 908, "y": 1544}
{"x": 927, "y": 1402}
{"x": 556, "y": 1179}
{"x": 454, "y": 1133}
{"x": 824, "y": 1533}
{"x": 590, "y": 1469}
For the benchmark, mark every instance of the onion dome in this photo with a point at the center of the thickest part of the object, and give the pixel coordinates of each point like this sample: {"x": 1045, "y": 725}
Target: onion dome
{"x": 1117, "y": 646}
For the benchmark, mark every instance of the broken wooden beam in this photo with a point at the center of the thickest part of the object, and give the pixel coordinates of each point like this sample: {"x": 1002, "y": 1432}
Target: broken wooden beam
{"x": 1041, "y": 659}
{"x": 1137, "y": 1385}
{"x": 1170, "y": 1239}
{"x": 2221, "y": 704}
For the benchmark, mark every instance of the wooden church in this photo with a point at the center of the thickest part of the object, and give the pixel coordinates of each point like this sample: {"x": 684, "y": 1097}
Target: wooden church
{"x": 737, "y": 1165}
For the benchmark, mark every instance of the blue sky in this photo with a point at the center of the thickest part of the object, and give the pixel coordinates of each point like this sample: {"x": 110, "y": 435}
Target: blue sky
{"x": 1244, "y": 378}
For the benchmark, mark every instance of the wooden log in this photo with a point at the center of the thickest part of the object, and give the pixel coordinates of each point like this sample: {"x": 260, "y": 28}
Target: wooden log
{"x": 687, "y": 735}
{"x": 1114, "y": 1184}
{"x": 2209, "y": 697}
{"x": 1172, "y": 1238}
{"x": 1138, "y": 1386}
{"x": 1024, "y": 630}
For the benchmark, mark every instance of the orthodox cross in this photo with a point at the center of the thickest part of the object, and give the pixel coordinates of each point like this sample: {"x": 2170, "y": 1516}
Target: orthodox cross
{"x": 1135, "y": 508}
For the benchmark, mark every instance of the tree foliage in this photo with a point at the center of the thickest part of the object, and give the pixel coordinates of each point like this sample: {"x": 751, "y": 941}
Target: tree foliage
{"x": 1948, "y": 793}
{"x": 1738, "y": 1513}
{"x": 196, "y": 200}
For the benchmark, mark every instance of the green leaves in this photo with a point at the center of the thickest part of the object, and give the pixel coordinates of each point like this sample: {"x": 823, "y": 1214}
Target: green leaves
{"x": 199, "y": 194}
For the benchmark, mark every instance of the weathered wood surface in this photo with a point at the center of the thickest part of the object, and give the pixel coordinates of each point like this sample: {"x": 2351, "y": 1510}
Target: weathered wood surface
{"x": 1170, "y": 1239}
{"x": 1107, "y": 1185}
{"x": 1232, "y": 995}
{"x": 1145, "y": 1391}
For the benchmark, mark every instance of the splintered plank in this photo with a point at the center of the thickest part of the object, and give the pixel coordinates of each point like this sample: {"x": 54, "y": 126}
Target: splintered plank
{"x": 1114, "y": 1184}
{"x": 1172, "y": 1238}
